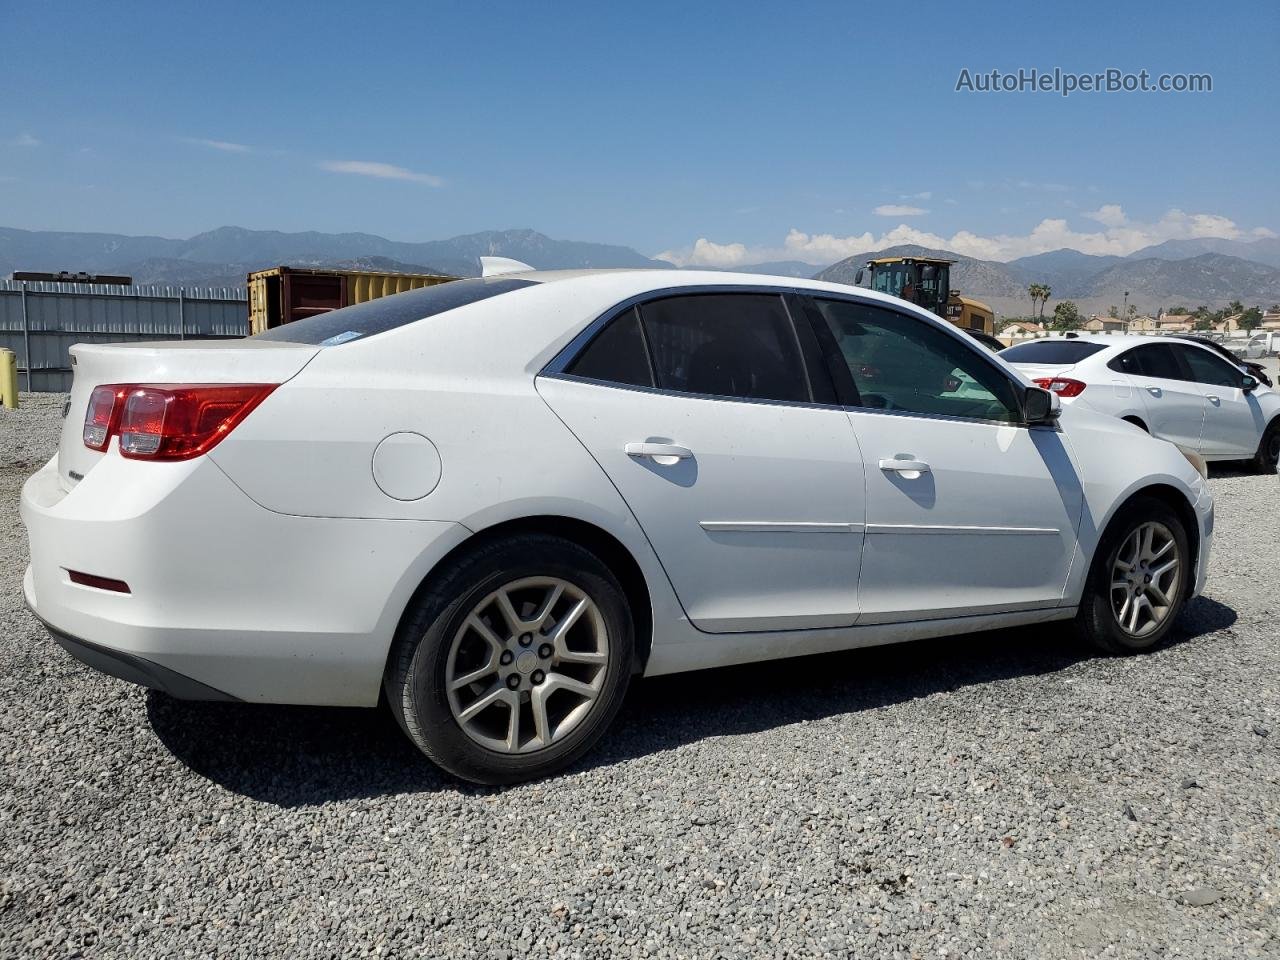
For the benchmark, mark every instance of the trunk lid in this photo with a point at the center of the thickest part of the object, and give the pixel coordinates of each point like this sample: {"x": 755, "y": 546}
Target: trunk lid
{"x": 177, "y": 361}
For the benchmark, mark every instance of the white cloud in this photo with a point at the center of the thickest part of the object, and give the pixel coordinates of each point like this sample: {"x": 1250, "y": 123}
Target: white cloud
{"x": 226, "y": 146}
{"x": 383, "y": 171}
{"x": 922, "y": 195}
{"x": 1109, "y": 215}
{"x": 25, "y": 140}
{"x": 898, "y": 210}
{"x": 1119, "y": 236}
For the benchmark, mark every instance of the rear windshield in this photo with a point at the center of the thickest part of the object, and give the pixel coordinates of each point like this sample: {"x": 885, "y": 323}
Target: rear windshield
{"x": 1052, "y": 351}
{"x": 387, "y": 313}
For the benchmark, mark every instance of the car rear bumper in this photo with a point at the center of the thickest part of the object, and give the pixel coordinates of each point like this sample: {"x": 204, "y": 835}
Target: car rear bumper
{"x": 227, "y": 600}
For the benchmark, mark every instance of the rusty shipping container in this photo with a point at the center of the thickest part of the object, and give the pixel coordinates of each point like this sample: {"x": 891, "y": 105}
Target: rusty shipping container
{"x": 284, "y": 294}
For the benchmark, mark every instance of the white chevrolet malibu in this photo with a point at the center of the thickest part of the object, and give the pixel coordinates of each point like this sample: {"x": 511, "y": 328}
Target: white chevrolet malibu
{"x": 1175, "y": 389}
{"x": 494, "y": 501}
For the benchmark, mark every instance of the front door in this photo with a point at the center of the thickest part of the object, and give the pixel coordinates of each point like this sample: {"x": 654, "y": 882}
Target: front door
{"x": 968, "y": 511}
{"x": 1233, "y": 421}
{"x": 700, "y": 411}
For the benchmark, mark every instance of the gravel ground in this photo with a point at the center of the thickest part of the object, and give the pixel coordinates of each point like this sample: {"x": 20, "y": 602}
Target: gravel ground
{"x": 998, "y": 796}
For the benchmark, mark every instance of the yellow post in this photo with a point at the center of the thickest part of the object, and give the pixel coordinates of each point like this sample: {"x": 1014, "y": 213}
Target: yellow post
{"x": 8, "y": 379}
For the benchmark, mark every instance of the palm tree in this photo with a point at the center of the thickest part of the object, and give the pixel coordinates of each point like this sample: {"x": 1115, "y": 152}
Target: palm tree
{"x": 1039, "y": 293}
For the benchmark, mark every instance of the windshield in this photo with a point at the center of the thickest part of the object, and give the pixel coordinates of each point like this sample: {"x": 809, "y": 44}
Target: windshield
{"x": 387, "y": 313}
{"x": 1052, "y": 352}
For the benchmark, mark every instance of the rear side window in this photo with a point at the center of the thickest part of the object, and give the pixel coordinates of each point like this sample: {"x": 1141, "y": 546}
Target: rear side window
{"x": 725, "y": 345}
{"x": 387, "y": 313}
{"x": 1052, "y": 352}
{"x": 617, "y": 354}
{"x": 1152, "y": 360}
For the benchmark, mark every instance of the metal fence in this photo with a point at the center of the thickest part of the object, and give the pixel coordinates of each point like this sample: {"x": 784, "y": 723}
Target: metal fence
{"x": 40, "y": 320}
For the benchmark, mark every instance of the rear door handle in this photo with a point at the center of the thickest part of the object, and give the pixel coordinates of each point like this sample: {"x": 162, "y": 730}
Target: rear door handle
{"x": 658, "y": 450}
{"x": 1213, "y": 399}
{"x": 904, "y": 466}
{"x": 1154, "y": 391}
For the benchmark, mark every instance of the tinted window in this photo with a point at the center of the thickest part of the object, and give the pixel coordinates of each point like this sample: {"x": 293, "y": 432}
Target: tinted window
{"x": 617, "y": 354}
{"x": 1211, "y": 369}
{"x": 387, "y": 313}
{"x": 901, "y": 363}
{"x": 725, "y": 345}
{"x": 1154, "y": 360}
{"x": 1051, "y": 352}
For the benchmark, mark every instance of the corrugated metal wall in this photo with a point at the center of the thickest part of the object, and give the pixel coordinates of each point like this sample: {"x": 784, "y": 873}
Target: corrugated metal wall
{"x": 47, "y": 318}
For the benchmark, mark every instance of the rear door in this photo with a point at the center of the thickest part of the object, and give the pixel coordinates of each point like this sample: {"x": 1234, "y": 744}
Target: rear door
{"x": 700, "y": 409}
{"x": 1233, "y": 422}
{"x": 1174, "y": 405}
{"x": 968, "y": 510}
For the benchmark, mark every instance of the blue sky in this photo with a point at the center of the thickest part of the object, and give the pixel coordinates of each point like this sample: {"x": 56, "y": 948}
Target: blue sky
{"x": 766, "y": 131}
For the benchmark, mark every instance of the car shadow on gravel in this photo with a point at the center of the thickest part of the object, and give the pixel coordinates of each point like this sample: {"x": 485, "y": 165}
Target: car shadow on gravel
{"x": 299, "y": 756}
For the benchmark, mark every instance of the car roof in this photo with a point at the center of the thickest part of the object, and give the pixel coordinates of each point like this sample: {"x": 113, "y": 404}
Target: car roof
{"x": 633, "y": 281}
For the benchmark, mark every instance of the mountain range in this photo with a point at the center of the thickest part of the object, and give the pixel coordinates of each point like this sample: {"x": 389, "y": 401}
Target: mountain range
{"x": 1210, "y": 270}
{"x": 1189, "y": 274}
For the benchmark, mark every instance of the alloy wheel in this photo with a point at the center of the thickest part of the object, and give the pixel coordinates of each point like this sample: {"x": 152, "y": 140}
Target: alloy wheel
{"x": 1145, "y": 579}
{"x": 527, "y": 664}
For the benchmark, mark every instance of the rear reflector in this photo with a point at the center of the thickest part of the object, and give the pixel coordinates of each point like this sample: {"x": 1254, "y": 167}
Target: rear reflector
{"x": 168, "y": 421}
{"x": 1062, "y": 386}
{"x": 102, "y": 583}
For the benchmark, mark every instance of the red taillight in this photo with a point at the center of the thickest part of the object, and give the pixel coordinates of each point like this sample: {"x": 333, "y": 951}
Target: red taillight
{"x": 101, "y": 418}
{"x": 168, "y": 422}
{"x": 1062, "y": 386}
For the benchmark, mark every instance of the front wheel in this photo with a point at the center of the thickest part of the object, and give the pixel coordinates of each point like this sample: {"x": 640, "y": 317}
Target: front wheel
{"x": 1138, "y": 581}
{"x": 513, "y": 664}
{"x": 1265, "y": 460}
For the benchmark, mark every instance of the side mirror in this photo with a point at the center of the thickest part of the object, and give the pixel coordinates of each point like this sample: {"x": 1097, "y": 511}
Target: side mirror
{"x": 857, "y": 277}
{"x": 1248, "y": 383}
{"x": 1040, "y": 406}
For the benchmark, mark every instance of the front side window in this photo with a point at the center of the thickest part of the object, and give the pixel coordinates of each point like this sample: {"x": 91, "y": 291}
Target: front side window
{"x": 903, "y": 363}
{"x": 1209, "y": 369}
{"x": 726, "y": 345}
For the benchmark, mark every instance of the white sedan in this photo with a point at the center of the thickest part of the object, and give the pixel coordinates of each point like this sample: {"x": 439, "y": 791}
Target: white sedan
{"x": 1172, "y": 388}
{"x": 494, "y": 501}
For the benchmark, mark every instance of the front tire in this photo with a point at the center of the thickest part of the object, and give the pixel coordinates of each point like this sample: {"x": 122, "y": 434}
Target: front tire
{"x": 1138, "y": 582}
{"x": 512, "y": 664}
{"x": 1265, "y": 460}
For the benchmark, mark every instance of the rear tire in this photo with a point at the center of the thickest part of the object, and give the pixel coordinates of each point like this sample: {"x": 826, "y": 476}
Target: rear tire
{"x": 1132, "y": 597}
{"x": 1264, "y": 461}
{"x": 512, "y": 664}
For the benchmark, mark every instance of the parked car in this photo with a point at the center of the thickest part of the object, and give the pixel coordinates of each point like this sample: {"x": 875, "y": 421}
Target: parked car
{"x": 494, "y": 501}
{"x": 1173, "y": 388}
{"x": 1258, "y": 346}
{"x": 1254, "y": 369}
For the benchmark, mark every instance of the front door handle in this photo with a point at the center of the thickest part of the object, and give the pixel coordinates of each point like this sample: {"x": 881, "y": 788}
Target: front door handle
{"x": 658, "y": 451}
{"x": 1213, "y": 399}
{"x": 904, "y": 466}
{"x": 1154, "y": 391}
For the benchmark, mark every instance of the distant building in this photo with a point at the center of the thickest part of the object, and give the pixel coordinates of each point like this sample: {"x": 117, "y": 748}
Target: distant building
{"x": 1271, "y": 320}
{"x": 1097, "y": 324}
{"x": 1174, "y": 322}
{"x": 1228, "y": 324}
{"x": 1144, "y": 325}
{"x": 1020, "y": 328}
